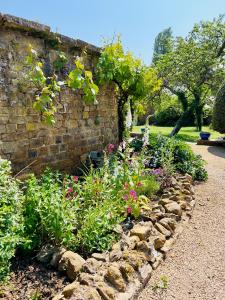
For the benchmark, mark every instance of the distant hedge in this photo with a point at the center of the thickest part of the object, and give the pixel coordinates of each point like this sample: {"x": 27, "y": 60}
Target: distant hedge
{"x": 170, "y": 115}
{"x": 218, "y": 121}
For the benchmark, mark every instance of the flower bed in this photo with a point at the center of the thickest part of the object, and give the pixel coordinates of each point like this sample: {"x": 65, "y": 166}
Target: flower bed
{"x": 130, "y": 205}
{"x": 122, "y": 272}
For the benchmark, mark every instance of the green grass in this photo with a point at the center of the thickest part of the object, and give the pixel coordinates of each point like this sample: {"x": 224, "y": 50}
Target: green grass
{"x": 187, "y": 134}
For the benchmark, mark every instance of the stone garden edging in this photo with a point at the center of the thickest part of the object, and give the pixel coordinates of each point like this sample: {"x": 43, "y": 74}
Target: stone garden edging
{"x": 124, "y": 271}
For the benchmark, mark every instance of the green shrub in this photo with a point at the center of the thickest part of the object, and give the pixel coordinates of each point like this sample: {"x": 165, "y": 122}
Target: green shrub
{"x": 218, "y": 120}
{"x": 148, "y": 187}
{"x": 11, "y": 220}
{"x": 96, "y": 232}
{"x": 168, "y": 116}
{"x": 49, "y": 213}
{"x": 175, "y": 155}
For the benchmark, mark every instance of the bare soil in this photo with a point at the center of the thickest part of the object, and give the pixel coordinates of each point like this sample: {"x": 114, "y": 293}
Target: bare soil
{"x": 32, "y": 280}
{"x": 195, "y": 266}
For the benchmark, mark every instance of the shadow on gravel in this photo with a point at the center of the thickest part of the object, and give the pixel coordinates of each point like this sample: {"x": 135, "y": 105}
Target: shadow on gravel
{"x": 217, "y": 151}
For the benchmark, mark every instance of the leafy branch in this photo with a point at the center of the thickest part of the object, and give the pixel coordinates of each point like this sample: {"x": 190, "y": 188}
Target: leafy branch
{"x": 47, "y": 88}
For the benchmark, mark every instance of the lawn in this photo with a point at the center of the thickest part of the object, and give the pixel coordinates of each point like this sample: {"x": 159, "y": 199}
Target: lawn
{"x": 188, "y": 134}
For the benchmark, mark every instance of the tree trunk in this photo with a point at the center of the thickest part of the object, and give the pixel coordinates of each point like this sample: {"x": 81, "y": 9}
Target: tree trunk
{"x": 181, "y": 120}
{"x": 121, "y": 116}
{"x": 198, "y": 111}
{"x": 132, "y": 109}
{"x": 199, "y": 118}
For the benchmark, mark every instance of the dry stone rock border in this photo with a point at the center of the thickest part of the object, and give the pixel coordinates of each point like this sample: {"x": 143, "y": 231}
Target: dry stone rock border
{"x": 124, "y": 271}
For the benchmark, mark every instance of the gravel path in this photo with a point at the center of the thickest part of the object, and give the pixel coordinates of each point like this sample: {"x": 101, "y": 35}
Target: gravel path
{"x": 195, "y": 267}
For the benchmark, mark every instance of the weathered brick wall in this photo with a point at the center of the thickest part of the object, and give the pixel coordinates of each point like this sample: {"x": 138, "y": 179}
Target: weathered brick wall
{"x": 79, "y": 128}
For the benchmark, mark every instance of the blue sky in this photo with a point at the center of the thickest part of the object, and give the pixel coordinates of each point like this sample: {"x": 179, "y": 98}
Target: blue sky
{"x": 138, "y": 21}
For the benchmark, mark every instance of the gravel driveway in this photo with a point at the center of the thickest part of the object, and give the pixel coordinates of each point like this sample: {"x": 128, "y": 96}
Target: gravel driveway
{"x": 195, "y": 267}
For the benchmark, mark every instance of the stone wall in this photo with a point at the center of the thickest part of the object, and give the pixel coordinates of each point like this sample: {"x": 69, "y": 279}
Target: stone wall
{"x": 79, "y": 128}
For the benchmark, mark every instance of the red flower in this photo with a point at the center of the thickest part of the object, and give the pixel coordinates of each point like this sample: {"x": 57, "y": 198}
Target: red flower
{"x": 133, "y": 194}
{"x": 111, "y": 147}
{"x": 129, "y": 210}
{"x": 75, "y": 178}
{"x": 69, "y": 191}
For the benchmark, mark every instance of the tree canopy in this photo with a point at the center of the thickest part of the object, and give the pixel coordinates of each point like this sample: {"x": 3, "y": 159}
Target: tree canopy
{"x": 135, "y": 81}
{"x": 163, "y": 44}
{"x": 219, "y": 111}
{"x": 193, "y": 69}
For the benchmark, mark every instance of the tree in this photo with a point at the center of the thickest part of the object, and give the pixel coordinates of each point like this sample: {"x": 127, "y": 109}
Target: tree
{"x": 163, "y": 44}
{"x": 135, "y": 82}
{"x": 194, "y": 68}
{"x": 219, "y": 111}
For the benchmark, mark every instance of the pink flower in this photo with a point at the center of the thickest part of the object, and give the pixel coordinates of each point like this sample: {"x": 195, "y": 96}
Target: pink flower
{"x": 75, "y": 178}
{"x": 125, "y": 197}
{"x": 129, "y": 210}
{"x": 111, "y": 147}
{"x": 139, "y": 184}
{"x": 133, "y": 194}
{"x": 69, "y": 191}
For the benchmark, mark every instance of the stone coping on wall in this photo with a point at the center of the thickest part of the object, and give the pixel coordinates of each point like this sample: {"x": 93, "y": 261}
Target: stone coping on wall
{"x": 36, "y": 29}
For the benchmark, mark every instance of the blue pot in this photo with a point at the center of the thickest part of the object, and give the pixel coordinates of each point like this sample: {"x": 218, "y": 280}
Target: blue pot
{"x": 205, "y": 136}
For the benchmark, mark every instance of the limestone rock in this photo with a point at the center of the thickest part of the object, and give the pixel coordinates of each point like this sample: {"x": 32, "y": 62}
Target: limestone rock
{"x": 133, "y": 240}
{"x": 162, "y": 229}
{"x": 83, "y": 292}
{"x": 173, "y": 208}
{"x": 159, "y": 242}
{"x": 115, "y": 255}
{"x": 70, "y": 288}
{"x": 91, "y": 265}
{"x": 183, "y": 204}
{"x": 115, "y": 277}
{"x": 100, "y": 256}
{"x": 168, "y": 245}
{"x": 143, "y": 231}
{"x": 134, "y": 258}
{"x": 145, "y": 248}
{"x": 105, "y": 291}
{"x": 116, "y": 246}
{"x": 127, "y": 271}
{"x": 165, "y": 201}
{"x": 145, "y": 272}
{"x": 158, "y": 260}
{"x": 71, "y": 263}
{"x": 168, "y": 223}
{"x": 89, "y": 279}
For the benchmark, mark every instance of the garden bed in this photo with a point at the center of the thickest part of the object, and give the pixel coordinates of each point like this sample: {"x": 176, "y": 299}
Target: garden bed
{"x": 105, "y": 231}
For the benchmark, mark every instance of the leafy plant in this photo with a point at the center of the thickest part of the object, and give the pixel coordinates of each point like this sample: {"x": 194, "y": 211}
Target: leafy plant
{"x": 135, "y": 81}
{"x": 162, "y": 285}
{"x": 173, "y": 155}
{"x": 47, "y": 88}
{"x": 49, "y": 213}
{"x": 11, "y": 219}
{"x": 96, "y": 232}
{"x": 60, "y": 62}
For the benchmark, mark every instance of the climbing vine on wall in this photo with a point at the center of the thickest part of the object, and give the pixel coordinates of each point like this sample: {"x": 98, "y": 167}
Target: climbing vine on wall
{"x": 47, "y": 88}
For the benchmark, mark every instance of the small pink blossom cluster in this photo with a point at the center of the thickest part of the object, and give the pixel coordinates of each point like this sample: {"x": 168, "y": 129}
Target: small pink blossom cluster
{"x": 111, "y": 148}
{"x": 70, "y": 193}
{"x": 130, "y": 196}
